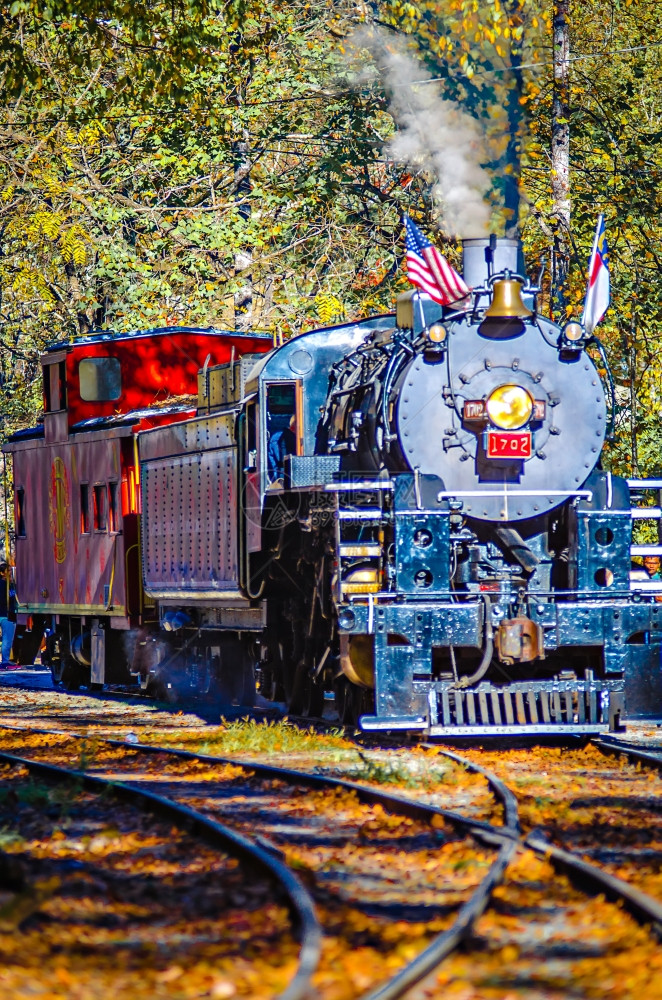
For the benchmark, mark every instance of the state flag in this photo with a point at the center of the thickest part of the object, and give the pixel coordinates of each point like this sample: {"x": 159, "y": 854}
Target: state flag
{"x": 596, "y": 301}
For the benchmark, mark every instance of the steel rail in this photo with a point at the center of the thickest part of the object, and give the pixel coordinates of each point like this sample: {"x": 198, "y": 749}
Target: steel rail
{"x": 216, "y": 835}
{"x": 505, "y": 839}
{"x": 640, "y": 905}
{"x": 504, "y": 843}
{"x": 371, "y": 796}
{"x": 588, "y": 877}
{"x": 448, "y": 941}
{"x": 501, "y": 791}
{"x": 614, "y": 747}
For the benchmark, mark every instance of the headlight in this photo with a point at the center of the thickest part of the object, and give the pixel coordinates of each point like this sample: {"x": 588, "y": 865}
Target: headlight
{"x": 437, "y": 333}
{"x": 573, "y": 332}
{"x": 509, "y": 407}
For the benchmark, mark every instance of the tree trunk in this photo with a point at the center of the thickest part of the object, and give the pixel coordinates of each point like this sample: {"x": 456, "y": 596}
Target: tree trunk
{"x": 633, "y": 397}
{"x": 243, "y": 259}
{"x": 561, "y": 157}
{"x": 513, "y": 154}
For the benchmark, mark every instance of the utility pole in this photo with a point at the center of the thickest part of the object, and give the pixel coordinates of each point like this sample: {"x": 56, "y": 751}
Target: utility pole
{"x": 560, "y": 157}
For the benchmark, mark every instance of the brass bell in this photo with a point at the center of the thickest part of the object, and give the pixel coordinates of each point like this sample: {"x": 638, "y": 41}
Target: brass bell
{"x": 507, "y": 301}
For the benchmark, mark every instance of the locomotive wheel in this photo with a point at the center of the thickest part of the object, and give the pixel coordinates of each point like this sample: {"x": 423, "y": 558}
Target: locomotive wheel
{"x": 352, "y": 702}
{"x": 56, "y": 659}
{"x": 344, "y": 692}
{"x": 305, "y": 694}
{"x": 245, "y": 684}
{"x": 158, "y": 689}
{"x": 312, "y": 695}
{"x": 74, "y": 676}
{"x": 293, "y": 683}
{"x": 236, "y": 677}
{"x": 56, "y": 672}
{"x": 271, "y": 686}
{"x": 27, "y": 643}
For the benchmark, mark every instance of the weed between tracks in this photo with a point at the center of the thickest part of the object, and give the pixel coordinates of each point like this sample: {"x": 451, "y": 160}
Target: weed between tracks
{"x": 264, "y": 739}
{"x": 394, "y": 771}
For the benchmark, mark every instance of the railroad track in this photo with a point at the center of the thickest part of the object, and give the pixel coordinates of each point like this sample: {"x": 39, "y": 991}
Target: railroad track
{"x": 132, "y": 887}
{"x": 315, "y": 823}
{"x": 287, "y": 812}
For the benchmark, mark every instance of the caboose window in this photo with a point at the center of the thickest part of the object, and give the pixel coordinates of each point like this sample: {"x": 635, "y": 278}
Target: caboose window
{"x": 84, "y": 509}
{"x": 100, "y": 379}
{"x": 112, "y": 507}
{"x": 55, "y": 386}
{"x": 62, "y": 384}
{"x": 99, "y": 504}
{"x": 47, "y": 389}
{"x": 20, "y": 512}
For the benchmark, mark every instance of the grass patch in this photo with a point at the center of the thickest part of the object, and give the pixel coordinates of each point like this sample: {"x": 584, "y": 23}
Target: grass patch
{"x": 31, "y": 793}
{"x": 89, "y": 749}
{"x": 10, "y": 838}
{"x": 56, "y": 801}
{"x": 250, "y": 737}
{"x": 394, "y": 772}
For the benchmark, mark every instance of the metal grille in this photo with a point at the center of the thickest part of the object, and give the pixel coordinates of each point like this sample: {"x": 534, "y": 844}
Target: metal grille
{"x": 544, "y": 704}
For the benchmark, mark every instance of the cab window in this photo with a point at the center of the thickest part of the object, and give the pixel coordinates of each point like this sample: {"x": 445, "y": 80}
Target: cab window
{"x": 282, "y": 428}
{"x": 251, "y": 438}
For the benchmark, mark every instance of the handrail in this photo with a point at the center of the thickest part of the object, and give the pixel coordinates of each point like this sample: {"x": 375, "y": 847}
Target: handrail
{"x": 645, "y": 484}
{"x": 448, "y": 494}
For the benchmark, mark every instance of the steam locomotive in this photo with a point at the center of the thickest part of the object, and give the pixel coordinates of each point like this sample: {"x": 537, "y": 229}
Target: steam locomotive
{"x": 407, "y": 511}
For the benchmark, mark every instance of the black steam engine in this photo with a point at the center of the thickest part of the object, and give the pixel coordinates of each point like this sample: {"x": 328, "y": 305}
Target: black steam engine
{"x": 409, "y": 512}
{"x": 423, "y": 525}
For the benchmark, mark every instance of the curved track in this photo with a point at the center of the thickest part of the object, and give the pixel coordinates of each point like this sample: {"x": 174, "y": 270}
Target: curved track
{"x": 505, "y": 841}
{"x": 642, "y": 906}
{"x": 474, "y": 900}
{"x": 215, "y": 834}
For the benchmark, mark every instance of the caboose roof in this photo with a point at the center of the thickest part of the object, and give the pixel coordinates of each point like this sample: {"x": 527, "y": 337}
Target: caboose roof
{"x": 105, "y": 336}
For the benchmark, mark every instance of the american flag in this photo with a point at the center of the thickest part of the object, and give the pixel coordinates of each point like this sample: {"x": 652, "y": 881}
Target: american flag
{"x": 596, "y": 301}
{"x": 429, "y": 269}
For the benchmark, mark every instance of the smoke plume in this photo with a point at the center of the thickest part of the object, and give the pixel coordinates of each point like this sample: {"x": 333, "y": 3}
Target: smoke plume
{"x": 434, "y": 135}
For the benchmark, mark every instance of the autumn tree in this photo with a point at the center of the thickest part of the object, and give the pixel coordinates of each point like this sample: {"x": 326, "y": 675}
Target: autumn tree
{"x": 161, "y": 162}
{"x": 614, "y": 118}
{"x": 147, "y": 150}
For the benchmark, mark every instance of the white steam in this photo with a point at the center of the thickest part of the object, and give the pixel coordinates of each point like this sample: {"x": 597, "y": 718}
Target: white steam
{"x": 434, "y": 136}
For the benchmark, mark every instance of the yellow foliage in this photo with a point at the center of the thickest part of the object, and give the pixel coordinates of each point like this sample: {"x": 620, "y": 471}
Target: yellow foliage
{"x": 328, "y": 307}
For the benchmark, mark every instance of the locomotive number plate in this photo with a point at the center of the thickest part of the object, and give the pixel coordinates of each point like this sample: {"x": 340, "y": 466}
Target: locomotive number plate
{"x": 508, "y": 444}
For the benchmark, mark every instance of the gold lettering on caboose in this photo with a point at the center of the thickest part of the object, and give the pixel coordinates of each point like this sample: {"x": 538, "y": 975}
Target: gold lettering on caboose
{"x": 60, "y": 509}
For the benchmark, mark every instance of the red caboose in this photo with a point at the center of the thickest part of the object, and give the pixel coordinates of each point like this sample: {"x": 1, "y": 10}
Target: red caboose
{"x": 76, "y": 483}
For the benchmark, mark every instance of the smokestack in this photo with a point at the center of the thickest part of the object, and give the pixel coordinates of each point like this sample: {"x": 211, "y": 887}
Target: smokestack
{"x": 505, "y": 254}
